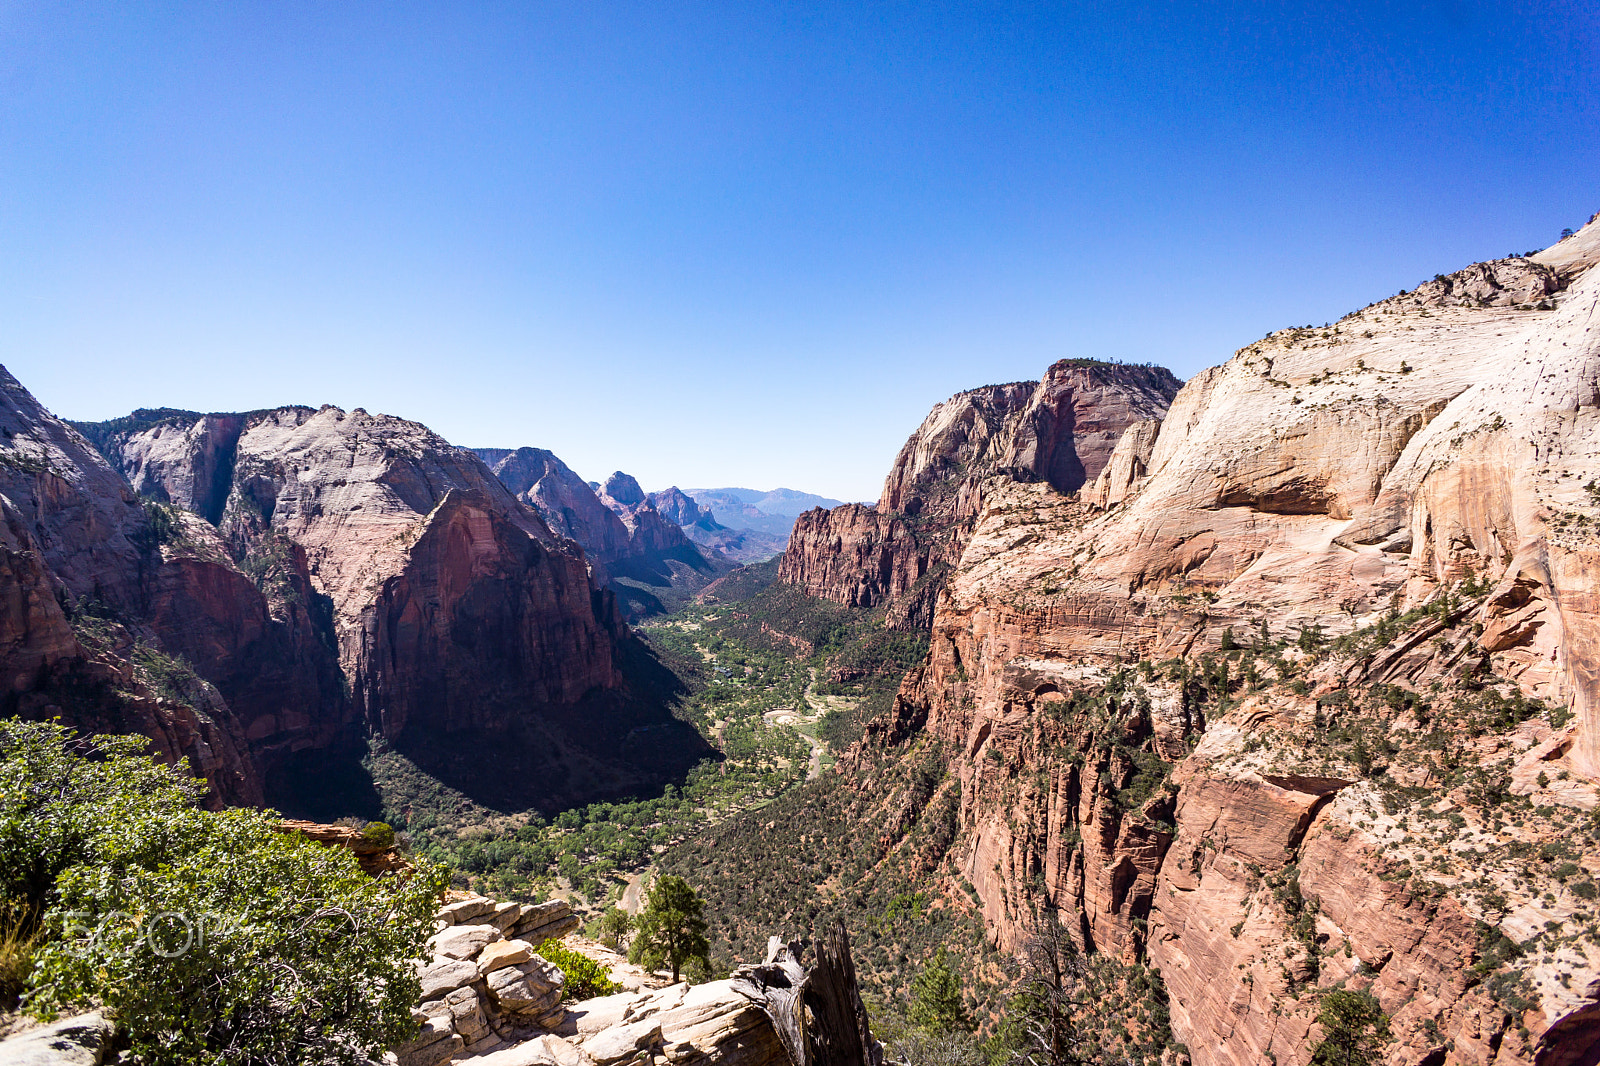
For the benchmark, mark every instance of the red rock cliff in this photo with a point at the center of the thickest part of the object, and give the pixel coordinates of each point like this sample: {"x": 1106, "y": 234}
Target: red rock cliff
{"x": 1418, "y": 477}
{"x": 1060, "y": 430}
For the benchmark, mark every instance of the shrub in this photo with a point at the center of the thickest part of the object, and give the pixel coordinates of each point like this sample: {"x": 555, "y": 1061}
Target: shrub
{"x": 586, "y": 978}
{"x": 1354, "y": 1029}
{"x": 378, "y": 834}
{"x": 211, "y": 936}
{"x": 615, "y": 927}
{"x": 936, "y": 1003}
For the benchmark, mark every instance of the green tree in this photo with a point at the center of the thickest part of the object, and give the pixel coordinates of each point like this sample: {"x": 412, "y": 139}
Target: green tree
{"x": 212, "y": 936}
{"x": 616, "y": 925}
{"x": 936, "y": 1003}
{"x": 1354, "y": 1028}
{"x": 672, "y": 927}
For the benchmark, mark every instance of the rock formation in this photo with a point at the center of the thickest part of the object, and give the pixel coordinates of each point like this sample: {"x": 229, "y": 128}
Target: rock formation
{"x": 1061, "y": 430}
{"x": 1260, "y": 810}
{"x": 628, "y": 542}
{"x": 101, "y": 594}
{"x": 490, "y": 1000}
{"x": 675, "y": 507}
{"x": 450, "y": 605}
{"x": 293, "y": 581}
{"x": 567, "y": 503}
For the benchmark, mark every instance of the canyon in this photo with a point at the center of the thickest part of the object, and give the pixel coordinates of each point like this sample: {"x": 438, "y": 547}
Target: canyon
{"x": 635, "y": 543}
{"x": 1275, "y": 681}
{"x": 263, "y": 592}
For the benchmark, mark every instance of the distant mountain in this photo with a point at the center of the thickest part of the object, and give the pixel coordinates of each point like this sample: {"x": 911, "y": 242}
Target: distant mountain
{"x": 637, "y": 552}
{"x": 773, "y": 502}
{"x": 766, "y": 511}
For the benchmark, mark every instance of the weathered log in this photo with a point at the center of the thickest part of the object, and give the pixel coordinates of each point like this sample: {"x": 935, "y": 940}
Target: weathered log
{"x": 818, "y": 1014}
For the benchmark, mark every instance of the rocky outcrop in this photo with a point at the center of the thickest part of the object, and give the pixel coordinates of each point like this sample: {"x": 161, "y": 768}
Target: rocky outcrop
{"x": 1061, "y": 430}
{"x": 489, "y": 999}
{"x": 375, "y": 855}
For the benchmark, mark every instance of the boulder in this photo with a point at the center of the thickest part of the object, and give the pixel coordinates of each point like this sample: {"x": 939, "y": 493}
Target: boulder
{"x": 436, "y": 1043}
{"x": 504, "y": 915}
{"x": 446, "y": 975}
{"x": 504, "y": 953}
{"x": 80, "y": 1041}
{"x": 465, "y": 1007}
{"x": 465, "y": 910}
{"x": 531, "y": 988}
{"x": 549, "y": 931}
{"x": 463, "y": 941}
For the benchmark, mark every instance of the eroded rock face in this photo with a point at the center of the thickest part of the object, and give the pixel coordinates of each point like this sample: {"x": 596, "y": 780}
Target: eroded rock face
{"x": 1061, "y": 430}
{"x": 359, "y": 572}
{"x": 1343, "y": 470}
{"x": 565, "y": 500}
{"x": 98, "y": 593}
{"x": 622, "y": 538}
{"x": 1322, "y": 479}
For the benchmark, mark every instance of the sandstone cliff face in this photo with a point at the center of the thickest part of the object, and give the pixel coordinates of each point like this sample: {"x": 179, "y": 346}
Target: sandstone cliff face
{"x": 86, "y": 571}
{"x": 1384, "y": 457}
{"x": 1061, "y": 430}
{"x": 566, "y": 502}
{"x": 1431, "y": 452}
{"x": 448, "y": 604}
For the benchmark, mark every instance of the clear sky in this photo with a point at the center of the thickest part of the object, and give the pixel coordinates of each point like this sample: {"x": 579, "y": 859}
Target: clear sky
{"x": 742, "y": 243}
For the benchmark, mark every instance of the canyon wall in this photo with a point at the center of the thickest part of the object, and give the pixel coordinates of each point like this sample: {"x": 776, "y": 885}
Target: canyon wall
{"x": 93, "y": 583}
{"x": 291, "y": 582}
{"x": 633, "y": 547}
{"x": 1060, "y": 431}
{"x": 1418, "y": 479}
{"x": 447, "y": 604}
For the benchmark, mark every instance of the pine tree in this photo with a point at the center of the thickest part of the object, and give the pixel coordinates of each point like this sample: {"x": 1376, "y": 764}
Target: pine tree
{"x": 936, "y": 997}
{"x": 1354, "y": 1028}
{"x": 672, "y": 928}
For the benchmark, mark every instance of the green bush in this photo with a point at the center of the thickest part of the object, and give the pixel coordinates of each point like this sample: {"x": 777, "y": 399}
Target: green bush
{"x": 211, "y": 936}
{"x": 1354, "y": 1029}
{"x": 378, "y": 834}
{"x": 586, "y": 978}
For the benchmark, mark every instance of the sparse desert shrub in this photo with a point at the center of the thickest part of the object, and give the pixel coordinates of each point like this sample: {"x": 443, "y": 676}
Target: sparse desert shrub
{"x": 586, "y": 978}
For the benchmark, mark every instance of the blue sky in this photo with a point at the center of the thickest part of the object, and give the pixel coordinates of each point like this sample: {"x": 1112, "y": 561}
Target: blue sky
{"x": 742, "y": 243}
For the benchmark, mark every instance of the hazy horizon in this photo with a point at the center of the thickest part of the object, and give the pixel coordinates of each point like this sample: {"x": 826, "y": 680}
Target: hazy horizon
{"x": 742, "y": 244}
